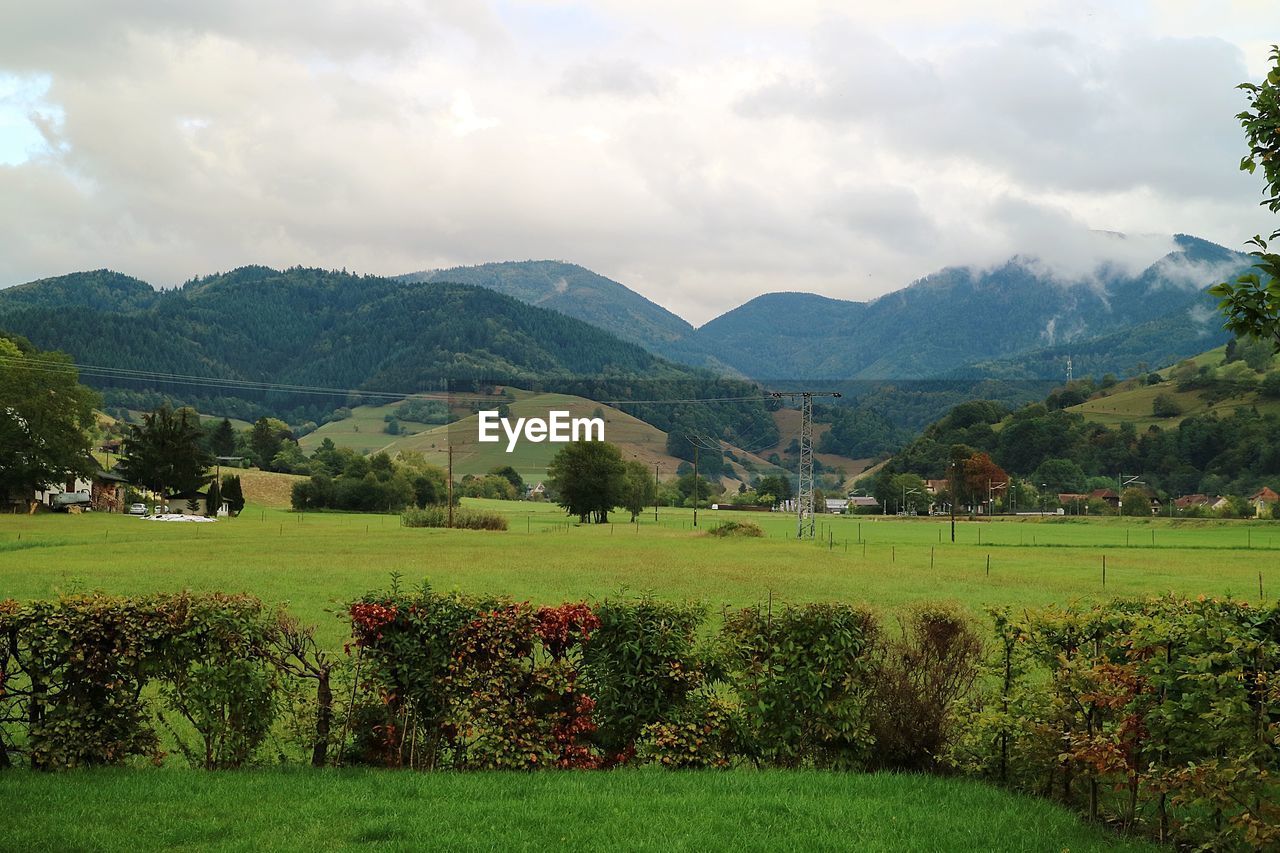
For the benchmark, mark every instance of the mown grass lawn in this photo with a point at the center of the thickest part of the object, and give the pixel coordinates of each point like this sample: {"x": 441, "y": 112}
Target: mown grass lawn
{"x": 623, "y": 810}
{"x": 319, "y": 561}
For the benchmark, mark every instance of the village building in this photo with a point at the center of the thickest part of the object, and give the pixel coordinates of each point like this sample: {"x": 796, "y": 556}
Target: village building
{"x": 1263, "y": 500}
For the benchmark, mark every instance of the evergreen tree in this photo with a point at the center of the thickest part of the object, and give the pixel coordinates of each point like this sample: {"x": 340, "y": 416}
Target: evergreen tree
{"x": 233, "y": 493}
{"x": 166, "y": 453}
{"x": 223, "y": 439}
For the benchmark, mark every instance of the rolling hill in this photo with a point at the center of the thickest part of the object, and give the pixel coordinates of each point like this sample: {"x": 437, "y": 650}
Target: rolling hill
{"x": 365, "y": 432}
{"x": 575, "y": 292}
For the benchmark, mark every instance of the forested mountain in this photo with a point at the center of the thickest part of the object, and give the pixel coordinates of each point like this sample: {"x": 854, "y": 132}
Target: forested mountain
{"x": 576, "y": 292}
{"x": 325, "y": 329}
{"x": 1015, "y": 320}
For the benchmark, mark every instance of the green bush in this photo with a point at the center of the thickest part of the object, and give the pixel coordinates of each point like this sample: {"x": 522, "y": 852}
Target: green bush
{"x": 705, "y": 732}
{"x": 74, "y": 673}
{"x": 805, "y": 677}
{"x": 1157, "y": 715}
{"x": 736, "y": 528}
{"x": 467, "y": 519}
{"x": 640, "y": 666}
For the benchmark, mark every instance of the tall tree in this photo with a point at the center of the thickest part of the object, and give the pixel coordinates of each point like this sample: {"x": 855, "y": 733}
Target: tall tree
{"x": 166, "y": 453}
{"x": 267, "y": 439}
{"x": 223, "y": 440}
{"x": 639, "y": 489}
{"x": 588, "y": 479}
{"x": 1251, "y": 303}
{"x": 46, "y": 417}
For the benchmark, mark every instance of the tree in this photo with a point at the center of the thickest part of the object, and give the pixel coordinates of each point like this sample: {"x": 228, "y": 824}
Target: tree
{"x": 222, "y": 441}
{"x": 981, "y": 478}
{"x": 1251, "y": 303}
{"x": 1060, "y": 475}
{"x": 908, "y": 493}
{"x": 639, "y": 489}
{"x": 686, "y": 486}
{"x": 214, "y": 499}
{"x": 1135, "y": 502}
{"x": 166, "y": 453}
{"x": 233, "y": 493}
{"x": 267, "y": 439}
{"x": 778, "y": 485}
{"x": 512, "y": 476}
{"x": 1165, "y": 406}
{"x": 588, "y": 479}
{"x": 45, "y": 420}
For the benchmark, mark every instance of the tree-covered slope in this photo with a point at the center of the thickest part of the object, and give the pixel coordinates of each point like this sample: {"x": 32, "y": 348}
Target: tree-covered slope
{"x": 575, "y": 292}
{"x": 309, "y": 327}
{"x": 1015, "y": 313}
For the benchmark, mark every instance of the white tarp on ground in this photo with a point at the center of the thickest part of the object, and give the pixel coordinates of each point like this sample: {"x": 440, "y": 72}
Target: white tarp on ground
{"x": 177, "y": 517}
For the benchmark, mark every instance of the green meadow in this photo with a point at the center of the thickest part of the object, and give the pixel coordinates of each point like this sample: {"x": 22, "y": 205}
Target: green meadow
{"x": 316, "y": 562}
{"x": 620, "y": 810}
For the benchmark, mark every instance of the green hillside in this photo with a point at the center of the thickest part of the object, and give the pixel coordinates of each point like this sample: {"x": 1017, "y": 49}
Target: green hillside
{"x": 365, "y": 432}
{"x": 1132, "y": 401}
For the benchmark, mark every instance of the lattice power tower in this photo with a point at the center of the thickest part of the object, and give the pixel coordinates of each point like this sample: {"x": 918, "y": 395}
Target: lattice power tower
{"x": 804, "y": 488}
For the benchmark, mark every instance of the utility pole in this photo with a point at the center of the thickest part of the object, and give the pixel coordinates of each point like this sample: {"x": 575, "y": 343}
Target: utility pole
{"x": 656, "y": 487}
{"x": 695, "y": 485}
{"x": 951, "y": 487}
{"x": 804, "y": 492}
{"x": 1123, "y": 480}
{"x": 450, "y": 485}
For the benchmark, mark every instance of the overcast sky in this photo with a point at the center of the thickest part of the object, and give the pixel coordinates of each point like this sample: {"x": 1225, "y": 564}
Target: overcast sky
{"x": 701, "y": 153}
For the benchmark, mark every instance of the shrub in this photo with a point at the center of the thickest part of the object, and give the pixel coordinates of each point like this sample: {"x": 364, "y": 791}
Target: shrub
{"x": 1166, "y": 702}
{"x": 640, "y": 666}
{"x": 468, "y": 519}
{"x": 74, "y": 673}
{"x": 736, "y": 528}
{"x": 472, "y": 684}
{"x": 705, "y": 732}
{"x": 1165, "y": 406}
{"x": 920, "y": 676}
{"x": 805, "y": 677}
{"x": 218, "y": 677}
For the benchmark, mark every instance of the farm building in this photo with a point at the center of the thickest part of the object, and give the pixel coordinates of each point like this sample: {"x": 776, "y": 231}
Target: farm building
{"x": 1263, "y": 499}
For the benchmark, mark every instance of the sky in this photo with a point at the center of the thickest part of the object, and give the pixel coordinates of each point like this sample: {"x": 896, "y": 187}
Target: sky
{"x": 701, "y": 153}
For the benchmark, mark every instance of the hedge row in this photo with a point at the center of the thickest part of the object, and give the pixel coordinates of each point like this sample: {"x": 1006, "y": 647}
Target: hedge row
{"x": 1160, "y": 715}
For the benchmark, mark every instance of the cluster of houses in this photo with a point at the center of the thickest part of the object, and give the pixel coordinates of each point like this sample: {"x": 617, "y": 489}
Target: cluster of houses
{"x": 1262, "y": 501}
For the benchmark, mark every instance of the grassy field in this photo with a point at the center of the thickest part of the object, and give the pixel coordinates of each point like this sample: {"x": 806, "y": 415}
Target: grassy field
{"x": 320, "y": 560}
{"x": 299, "y": 810}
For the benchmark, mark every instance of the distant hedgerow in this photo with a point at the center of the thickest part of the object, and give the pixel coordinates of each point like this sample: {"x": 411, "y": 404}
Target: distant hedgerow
{"x": 467, "y": 519}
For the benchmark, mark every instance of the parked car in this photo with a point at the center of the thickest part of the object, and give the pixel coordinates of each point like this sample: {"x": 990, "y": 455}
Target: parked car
{"x": 137, "y": 509}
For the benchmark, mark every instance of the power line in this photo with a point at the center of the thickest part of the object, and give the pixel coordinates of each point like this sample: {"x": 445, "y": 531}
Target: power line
{"x": 224, "y": 383}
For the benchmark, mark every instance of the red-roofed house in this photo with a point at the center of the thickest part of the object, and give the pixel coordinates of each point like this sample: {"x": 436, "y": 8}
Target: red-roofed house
{"x": 1263, "y": 499}
{"x": 1106, "y": 495}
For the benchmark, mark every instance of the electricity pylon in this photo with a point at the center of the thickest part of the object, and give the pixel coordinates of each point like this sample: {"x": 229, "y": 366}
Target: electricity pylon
{"x": 804, "y": 488}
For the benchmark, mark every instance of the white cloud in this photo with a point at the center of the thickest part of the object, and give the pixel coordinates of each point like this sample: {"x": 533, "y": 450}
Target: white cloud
{"x": 702, "y": 153}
